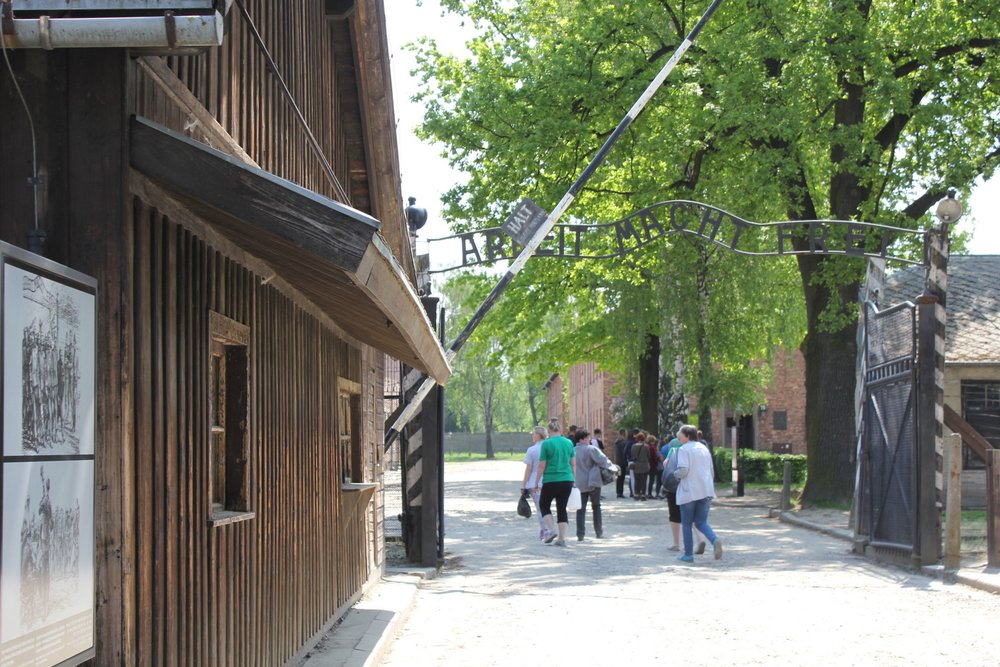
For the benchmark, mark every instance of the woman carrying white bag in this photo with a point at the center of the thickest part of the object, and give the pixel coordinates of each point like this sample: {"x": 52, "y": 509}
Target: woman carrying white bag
{"x": 589, "y": 462}
{"x": 556, "y": 471}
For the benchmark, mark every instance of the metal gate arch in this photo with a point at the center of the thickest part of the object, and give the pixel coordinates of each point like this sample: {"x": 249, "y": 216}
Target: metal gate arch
{"x": 888, "y": 512}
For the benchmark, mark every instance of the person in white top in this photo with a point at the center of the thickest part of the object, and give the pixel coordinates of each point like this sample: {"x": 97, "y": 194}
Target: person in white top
{"x": 695, "y": 492}
{"x": 531, "y": 471}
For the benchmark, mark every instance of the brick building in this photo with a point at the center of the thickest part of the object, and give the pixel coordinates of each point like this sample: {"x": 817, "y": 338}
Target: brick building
{"x": 583, "y": 399}
{"x": 781, "y": 419}
{"x": 776, "y": 425}
{"x": 555, "y": 399}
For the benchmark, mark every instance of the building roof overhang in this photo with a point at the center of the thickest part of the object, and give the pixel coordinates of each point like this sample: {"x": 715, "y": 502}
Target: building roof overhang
{"x": 331, "y": 253}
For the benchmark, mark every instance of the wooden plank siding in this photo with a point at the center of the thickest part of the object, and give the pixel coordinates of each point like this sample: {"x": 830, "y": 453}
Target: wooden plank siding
{"x": 171, "y": 589}
{"x": 338, "y": 74}
{"x": 250, "y": 592}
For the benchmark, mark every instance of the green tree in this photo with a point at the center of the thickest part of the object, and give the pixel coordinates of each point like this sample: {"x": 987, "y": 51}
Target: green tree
{"x": 485, "y": 392}
{"x": 799, "y": 110}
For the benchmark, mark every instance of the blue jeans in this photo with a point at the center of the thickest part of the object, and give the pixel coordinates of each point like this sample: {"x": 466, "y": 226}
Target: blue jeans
{"x": 695, "y": 512}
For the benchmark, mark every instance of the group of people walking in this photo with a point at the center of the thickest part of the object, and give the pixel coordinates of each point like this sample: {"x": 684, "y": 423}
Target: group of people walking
{"x": 555, "y": 466}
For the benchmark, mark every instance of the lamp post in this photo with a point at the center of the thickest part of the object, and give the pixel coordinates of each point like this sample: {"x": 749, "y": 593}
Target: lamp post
{"x": 948, "y": 210}
{"x": 416, "y": 218}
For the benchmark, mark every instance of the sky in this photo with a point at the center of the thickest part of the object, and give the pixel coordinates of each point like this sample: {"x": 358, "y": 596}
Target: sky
{"x": 426, "y": 175}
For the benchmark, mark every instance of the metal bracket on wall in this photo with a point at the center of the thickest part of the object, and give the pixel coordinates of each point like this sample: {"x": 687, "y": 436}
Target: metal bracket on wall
{"x": 8, "y": 18}
{"x": 170, "y": 24}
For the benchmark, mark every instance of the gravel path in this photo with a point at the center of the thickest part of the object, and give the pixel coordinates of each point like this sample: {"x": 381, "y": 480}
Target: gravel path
{"x": 780, "y": 595}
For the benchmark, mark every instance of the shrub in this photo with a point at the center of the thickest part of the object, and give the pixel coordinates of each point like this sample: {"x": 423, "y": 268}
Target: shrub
{"x": 760, "y": 467}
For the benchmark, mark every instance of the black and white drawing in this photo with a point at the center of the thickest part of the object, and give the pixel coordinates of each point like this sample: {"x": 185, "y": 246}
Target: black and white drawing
{"x": 48, "y": 366}
{"x": 48, "y": 562}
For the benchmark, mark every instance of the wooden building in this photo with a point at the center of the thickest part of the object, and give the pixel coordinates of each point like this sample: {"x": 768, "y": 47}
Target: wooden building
{"x": 253, "y": 271}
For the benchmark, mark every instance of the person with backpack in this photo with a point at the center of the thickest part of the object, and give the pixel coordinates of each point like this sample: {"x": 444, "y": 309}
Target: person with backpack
{"x": 621, "y": 447}
{"x": 695, "y": 491}
{"x": 655, "y": 466}
{"x": 589, "y": 461}
{"x": 670, "y": 483}
{"x": 640, "y": 465}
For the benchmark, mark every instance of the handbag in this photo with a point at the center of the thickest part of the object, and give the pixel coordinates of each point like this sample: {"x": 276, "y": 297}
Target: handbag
{"x": 523, "y": 507}
{"x": 609, "y": 474}
{"x": 669, "y": 478}
{"x": 574, "y": 503}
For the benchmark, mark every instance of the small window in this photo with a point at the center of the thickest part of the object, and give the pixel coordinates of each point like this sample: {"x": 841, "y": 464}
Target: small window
{"x": 349, "y": 435}
{"x": 780, "y": 420}
{"x": 229, "y": 388}
{"x": 981, "y": 408}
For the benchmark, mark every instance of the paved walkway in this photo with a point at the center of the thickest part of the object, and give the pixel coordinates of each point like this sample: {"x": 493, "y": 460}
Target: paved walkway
{"x": 803, "y": 590}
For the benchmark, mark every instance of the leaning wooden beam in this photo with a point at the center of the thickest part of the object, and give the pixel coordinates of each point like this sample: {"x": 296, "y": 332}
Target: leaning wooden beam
{"x": 970, "y": 436}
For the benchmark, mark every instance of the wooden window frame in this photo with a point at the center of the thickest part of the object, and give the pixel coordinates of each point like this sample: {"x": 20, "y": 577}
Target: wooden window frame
{"x": 229, "y": 352}
{"x": 349, "y": 434}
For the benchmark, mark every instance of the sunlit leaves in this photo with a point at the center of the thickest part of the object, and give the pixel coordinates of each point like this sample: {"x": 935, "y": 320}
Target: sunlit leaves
{"x": 774, "y": 105}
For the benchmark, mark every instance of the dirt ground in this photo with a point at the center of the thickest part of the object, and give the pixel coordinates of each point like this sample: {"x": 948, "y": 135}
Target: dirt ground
{"x": 780, "y": 595}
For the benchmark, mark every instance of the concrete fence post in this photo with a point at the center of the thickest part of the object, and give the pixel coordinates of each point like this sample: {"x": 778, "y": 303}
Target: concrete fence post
{"x": 786, "y": 487}
{"x": 953, "y": 502}
{"x": 993, "y": 508}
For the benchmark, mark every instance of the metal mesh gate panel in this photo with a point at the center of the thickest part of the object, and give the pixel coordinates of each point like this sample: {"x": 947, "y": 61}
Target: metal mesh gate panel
{"x": 888, "y": 476}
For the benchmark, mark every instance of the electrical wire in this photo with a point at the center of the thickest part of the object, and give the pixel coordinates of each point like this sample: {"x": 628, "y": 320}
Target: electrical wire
{"x": 272, "y": 67}
{"x": 31, "y": 126}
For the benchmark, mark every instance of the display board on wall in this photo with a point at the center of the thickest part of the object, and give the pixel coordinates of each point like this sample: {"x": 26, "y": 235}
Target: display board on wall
{"x": 47, "y": 484}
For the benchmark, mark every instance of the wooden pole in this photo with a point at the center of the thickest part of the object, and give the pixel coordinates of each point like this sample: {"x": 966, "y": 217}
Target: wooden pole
{"x": 953, "y": 506}
{"x": 993, "y": 508}
{"x": 929, "y": 441}
{"x": 736, "y": 463}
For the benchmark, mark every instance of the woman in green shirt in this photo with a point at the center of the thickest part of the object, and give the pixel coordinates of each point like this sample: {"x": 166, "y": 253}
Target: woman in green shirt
{"x": 556, "y": 472}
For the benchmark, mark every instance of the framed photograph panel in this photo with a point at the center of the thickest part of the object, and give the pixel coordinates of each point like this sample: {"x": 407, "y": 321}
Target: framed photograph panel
{"x": 47, "y": 478}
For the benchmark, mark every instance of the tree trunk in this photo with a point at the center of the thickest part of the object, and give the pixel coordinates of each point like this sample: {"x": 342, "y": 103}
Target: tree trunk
{"x": 489, "y": 444}
{"x": 705, "y": 420}
{"x": 533, "y": 402}
{"x": 830, "y": 359}
{"x": 706, "y": 384}
{"x": 649, "y": 382}
{"x": 488, "y": 383}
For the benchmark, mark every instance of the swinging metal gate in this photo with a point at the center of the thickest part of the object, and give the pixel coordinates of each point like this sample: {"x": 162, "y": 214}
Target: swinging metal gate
{"x": 888, "y": 482}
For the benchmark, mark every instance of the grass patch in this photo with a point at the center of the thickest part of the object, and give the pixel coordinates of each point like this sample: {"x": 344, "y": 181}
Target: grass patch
{"x": 766, "y": 486}
{"x": 468, "y": 457}
{"x": 832, "y": 505}
{"x": 973, "y": 515}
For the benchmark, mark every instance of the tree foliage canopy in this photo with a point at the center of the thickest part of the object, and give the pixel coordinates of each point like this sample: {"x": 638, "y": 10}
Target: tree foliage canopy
{"x": 486, "y": 393}
{"x": 848, "y": 109}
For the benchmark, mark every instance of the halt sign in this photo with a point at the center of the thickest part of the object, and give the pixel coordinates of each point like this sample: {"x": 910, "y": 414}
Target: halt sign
{"x": 526, "y": 219}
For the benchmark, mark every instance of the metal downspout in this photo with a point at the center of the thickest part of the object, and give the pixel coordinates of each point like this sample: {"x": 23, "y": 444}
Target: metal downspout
{"x": 170, "y": 31}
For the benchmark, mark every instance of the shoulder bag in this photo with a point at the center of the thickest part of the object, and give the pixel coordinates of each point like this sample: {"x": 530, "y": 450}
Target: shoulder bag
{"x": 669, "y": 478}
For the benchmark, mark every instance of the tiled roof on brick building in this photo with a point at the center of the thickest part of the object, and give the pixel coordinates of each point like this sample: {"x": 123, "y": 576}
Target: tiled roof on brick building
{"x": 973, "y": 305}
